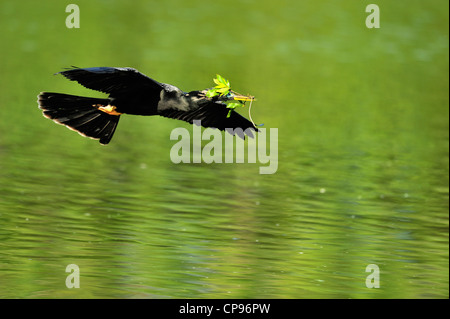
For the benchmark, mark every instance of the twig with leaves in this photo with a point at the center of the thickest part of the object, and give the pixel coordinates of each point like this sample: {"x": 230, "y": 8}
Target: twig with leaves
{"x": 223, "y": 89}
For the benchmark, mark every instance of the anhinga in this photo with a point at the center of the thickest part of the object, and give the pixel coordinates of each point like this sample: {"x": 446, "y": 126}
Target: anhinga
{"x": 131, "y": 92}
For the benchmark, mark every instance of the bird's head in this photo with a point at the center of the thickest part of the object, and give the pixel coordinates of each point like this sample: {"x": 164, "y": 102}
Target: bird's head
{"x": 234, "y": 96}
{"x": 230, "y": 96}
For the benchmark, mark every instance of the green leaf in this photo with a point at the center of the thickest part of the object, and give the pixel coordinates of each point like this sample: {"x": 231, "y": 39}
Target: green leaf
{"x": 223, "y": 91}
{"x": 221, "y": 86}
{"x": 217, "y": 82}
{"x": 221, "y": 79}
{"x": 211, "y": 93}
{"x": 233, "y": 105}
{"x": 221, "y": 82}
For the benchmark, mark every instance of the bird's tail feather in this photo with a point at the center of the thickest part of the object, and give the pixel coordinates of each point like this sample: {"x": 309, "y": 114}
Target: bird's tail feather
{"x": 80, "y": 114}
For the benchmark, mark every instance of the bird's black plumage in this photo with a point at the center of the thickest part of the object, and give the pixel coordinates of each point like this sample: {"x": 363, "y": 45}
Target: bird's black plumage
{"x": 131, "y": 92}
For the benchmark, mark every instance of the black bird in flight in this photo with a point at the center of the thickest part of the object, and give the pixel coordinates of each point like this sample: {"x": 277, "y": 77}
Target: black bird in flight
{"x": 131, "y": 92}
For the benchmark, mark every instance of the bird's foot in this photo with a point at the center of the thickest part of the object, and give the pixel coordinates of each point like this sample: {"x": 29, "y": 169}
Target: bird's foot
{"x": 109, "y": 109}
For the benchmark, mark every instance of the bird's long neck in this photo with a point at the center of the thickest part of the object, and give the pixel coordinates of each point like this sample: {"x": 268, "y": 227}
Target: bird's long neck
{"x": 174, "y": 99}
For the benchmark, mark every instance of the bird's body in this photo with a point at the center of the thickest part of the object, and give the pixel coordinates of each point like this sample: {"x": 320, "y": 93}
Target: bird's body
{"x": 131, "y": 92}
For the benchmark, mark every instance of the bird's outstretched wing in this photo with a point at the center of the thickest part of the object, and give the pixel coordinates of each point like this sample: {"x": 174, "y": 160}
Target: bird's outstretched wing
{"x": 214, "y": 115}
{"x": 111, "y": 80}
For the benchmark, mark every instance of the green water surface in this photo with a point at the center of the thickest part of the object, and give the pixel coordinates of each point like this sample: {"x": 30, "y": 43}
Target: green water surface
{"x": 363, "y": 148}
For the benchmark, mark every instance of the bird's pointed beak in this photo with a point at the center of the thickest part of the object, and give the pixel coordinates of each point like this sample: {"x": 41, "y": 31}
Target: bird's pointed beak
{"x": 239, "y": 97}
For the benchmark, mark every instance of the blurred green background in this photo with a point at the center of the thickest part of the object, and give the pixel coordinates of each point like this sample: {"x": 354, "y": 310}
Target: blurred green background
{"x": 363, "y": 127}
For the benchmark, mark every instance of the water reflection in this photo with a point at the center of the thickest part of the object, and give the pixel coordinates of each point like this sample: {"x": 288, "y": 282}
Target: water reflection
{"x": 362, "y": 176}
